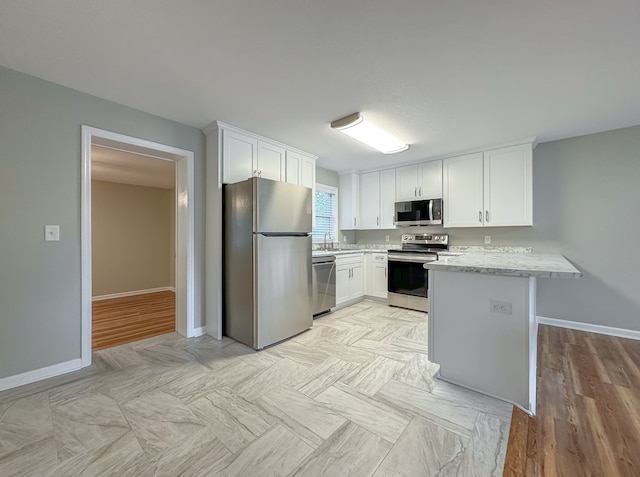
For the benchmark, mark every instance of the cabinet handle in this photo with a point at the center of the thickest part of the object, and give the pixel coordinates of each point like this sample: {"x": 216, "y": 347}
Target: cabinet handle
{"x": 486, "y": 216}
{"x": 377, "y": 220}
{"x": 480, "y": 216}
{"x": 420, "y": 195}
{"x": 259, "y": 173}
{"x": 354, "y": 221}
{"x": 385, "y": 273}
{"x": 415, "y": 191}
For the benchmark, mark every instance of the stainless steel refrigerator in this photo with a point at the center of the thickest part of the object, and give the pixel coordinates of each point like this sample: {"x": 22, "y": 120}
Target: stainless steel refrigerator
{"x": 267, "y": 261}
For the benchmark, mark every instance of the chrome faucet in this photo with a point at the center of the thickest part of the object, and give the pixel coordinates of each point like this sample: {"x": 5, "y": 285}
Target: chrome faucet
{"x": 325, "y": 241}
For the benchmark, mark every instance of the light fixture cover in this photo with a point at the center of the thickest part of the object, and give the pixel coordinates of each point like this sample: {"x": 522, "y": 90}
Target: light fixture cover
{"x": 358, "y": 128}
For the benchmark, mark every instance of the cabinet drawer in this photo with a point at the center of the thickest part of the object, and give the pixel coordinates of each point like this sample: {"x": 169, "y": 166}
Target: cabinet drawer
{"x": 349, "y": 259}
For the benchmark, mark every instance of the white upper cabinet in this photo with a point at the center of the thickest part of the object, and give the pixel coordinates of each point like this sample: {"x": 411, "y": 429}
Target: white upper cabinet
{"x": 377, "y": 199}
{"x": 430, "y": 180}
{"x": 407, "y": 183}
{"x": 271, "y": 161}
{"x": 240, "y": 154}
{"x": 490, "y": 189}
{"x": 244, "y": 155}
{"x": 463, "y": 191}
{"x": 420, "y": 181}
{"x": 370, "y": 200}
{"x": 308, "y": 172}
{"x": 300, "y": 169}
{"x": 387, "y": 198}
{"x": 349, "y": 201}
{"x": 293, "y": 168}
{"x": 508, "y": 186}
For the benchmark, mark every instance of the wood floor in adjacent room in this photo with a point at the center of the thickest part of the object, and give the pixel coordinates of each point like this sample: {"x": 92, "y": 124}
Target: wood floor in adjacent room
{"x": 123, "y": 320}
{"x": 588, "y": 415}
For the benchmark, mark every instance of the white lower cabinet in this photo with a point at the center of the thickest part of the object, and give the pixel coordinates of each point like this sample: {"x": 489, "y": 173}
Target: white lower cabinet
{"x": 378, "y": 275}
{"x": 360, "y": 274}
{"x": 349, "y": 277}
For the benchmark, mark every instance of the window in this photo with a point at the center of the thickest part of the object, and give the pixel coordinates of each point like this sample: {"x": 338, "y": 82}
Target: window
{"x": 326, "y": 214}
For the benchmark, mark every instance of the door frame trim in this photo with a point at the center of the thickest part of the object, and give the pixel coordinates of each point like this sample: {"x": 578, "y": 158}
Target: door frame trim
{"x": 185, "y": 228}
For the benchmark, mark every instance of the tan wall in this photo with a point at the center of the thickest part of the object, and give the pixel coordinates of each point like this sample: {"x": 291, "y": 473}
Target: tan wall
{"x": 132, "y": 237}
{"x": 172, "y": 238}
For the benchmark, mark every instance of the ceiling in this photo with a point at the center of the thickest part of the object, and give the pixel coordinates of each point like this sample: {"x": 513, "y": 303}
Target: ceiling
{"x": 113, "y": 165}
{"x": 444, "y": 76}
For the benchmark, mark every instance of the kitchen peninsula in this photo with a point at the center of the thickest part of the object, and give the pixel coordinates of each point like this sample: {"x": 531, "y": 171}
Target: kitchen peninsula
{"x": 482, "y": 320}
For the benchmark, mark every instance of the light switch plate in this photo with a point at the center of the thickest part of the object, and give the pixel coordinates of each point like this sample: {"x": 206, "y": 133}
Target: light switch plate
{"x": 487, "y": 239}
{"x": 51, "y": 233}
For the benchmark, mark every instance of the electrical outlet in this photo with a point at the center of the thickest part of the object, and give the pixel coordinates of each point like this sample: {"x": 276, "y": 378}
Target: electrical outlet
{"x": 344, "y": 238}
{"x": 487, "y": 239}
{"x": 500, "y": 307}
{"x": 386, "y": 238}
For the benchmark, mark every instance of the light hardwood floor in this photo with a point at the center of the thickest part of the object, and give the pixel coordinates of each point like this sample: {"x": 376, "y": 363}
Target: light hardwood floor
{"x": 353, "y": 396}
{"x": 117, "y": 321}
{"x": 587, "y": 420}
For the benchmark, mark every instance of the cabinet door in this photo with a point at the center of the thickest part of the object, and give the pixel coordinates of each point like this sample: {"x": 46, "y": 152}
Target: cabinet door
{"x": 369, "y": 198}
{"x": 508, "y": 186}
{"x": 357, "y": 280}
{"x": 239, "y": 156}
{"x": 349, "y": 201}
{"x": 407, "y": 183}
{"x": 387, "y": 198}
{"x": 294, "y": 164}
{"x": 308, "y": 172}
{"x": 343, "y": 283}
{"x": 377, "y": 272}
{"x": 379, "y": 279}
{"x": 308, "y": 179}
{"x": 462, "y": 191}
{"x": 271, "y": 160}
{"x": 430, "y": 180}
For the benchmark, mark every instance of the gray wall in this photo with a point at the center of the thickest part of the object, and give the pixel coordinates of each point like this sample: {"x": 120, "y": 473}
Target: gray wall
{"x": 40, "y": 184}
{"x": 586, "y": 197}
{"x": 326, "y": 177}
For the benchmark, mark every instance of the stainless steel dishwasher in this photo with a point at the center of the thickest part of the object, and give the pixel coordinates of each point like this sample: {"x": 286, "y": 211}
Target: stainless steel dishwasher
{"x": 324, "y": 283}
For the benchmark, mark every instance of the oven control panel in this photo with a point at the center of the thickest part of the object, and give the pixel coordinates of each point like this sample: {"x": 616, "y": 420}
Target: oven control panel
{"x": 428, "y": 239}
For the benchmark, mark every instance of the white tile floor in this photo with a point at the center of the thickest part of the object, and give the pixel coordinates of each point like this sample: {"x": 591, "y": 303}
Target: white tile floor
{"x": 353, "y": 396}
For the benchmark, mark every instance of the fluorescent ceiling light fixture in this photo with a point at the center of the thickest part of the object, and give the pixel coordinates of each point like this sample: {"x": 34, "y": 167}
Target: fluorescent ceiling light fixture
{"x": 358, "y": 128}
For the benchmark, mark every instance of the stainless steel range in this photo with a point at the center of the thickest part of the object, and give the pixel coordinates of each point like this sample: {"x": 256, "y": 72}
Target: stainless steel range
{"x": 408, "y": 280}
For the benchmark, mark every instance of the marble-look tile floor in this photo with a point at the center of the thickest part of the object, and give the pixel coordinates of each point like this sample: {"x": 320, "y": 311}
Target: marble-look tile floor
{"x": 353, "y": 396}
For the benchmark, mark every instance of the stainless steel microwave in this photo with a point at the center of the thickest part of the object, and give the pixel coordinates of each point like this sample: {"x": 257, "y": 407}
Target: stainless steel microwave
{"x": 418, "y": 212}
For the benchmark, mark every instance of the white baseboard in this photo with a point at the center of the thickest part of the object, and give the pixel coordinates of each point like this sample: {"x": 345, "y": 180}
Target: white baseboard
{"x": 577, "y": 325}
{"x": 199, "y": 331}
{"x": 132, "y": 293}
{"x": 39, "y": 374}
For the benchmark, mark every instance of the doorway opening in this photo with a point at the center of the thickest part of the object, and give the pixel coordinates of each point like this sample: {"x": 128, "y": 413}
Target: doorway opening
{"x": 146, "y": 159}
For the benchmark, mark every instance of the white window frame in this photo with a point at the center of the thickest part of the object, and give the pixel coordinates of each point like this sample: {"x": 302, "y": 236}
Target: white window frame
{"x": 329, "y": 190}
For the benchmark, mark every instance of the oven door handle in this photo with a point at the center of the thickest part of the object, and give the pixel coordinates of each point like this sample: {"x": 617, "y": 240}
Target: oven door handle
{"x": 396, "y": 258}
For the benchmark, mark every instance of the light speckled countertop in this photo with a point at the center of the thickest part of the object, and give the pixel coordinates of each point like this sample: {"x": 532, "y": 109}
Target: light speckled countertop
{"x": 540, "y": 265}
{"x": 342, "y": 251}
{"x": 352, "y": 248}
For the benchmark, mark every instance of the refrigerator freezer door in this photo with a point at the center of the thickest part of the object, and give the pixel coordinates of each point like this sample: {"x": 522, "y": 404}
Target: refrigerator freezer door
{"x": 281, "y": 208}
{"x": 283, "y": 282}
